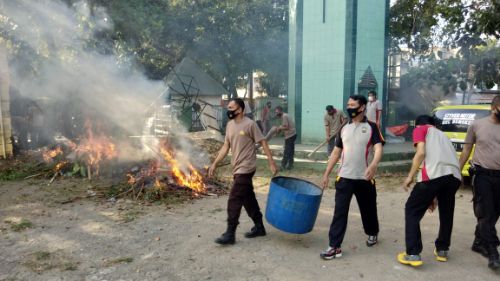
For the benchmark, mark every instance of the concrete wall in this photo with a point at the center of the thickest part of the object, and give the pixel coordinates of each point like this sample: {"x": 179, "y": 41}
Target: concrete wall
{"x": 331, "y": 45}
{"x": 322, "y": 64}
{"x": 370, "y": 40}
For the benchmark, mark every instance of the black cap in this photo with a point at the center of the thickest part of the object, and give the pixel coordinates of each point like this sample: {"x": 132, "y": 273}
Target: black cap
{"x": 329, "y": 107}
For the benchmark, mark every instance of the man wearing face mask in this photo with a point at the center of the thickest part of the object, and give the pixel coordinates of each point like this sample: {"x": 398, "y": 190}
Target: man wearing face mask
{"x": 354, "y": 144}
{"x": 373, "y": 108}
{"x": 485, "y": 134}
{"x": 242, "y": 134}
{"x": 288, "y": 129}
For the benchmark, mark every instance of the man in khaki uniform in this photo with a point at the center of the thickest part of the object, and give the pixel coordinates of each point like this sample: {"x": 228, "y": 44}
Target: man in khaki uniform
{"x": 333, "y": 119}
{"x": 485, "y": 134}
{"x": 288, "y": 129}
{"x": 242, "y": 134}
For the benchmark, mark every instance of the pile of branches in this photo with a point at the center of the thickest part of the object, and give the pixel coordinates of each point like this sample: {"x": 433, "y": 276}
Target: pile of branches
{"x": 150, "y": 184}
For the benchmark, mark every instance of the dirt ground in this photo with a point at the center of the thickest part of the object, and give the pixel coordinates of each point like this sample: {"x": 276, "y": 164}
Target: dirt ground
{"x": 93, "y": 239}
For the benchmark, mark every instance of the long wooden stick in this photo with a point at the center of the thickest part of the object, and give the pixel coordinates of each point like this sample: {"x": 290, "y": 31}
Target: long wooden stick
{"x": 35, "y": 175}
{"x": 318, "y": 147}
{"x": 89, "y": 172}
{"x": 53, "y": 178}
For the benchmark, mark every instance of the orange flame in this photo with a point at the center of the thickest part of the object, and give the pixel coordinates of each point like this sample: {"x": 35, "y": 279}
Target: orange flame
{"x": 60, "y": 165}
{"x": 96, "y": 148}
{"x": 49, "y": 155}
{"x": 193, "y": 180}
{"x": 131, "y": 179}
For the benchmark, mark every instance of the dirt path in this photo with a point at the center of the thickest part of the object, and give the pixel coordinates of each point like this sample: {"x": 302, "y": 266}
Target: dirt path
{"x": 95, "y": 240}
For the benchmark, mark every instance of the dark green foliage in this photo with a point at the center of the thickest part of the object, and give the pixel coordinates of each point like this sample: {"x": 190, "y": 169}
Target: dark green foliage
{"x": 228, "y": 38}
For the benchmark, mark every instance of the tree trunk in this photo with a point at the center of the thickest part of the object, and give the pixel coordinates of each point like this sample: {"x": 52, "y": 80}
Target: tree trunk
{"x": 250, "y": 89}
{"x": 5, "y": 121}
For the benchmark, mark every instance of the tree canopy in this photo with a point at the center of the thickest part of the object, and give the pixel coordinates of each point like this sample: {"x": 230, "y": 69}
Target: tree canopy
{"x": 423, "y": 24}
{"x": 470, "y": 27}
{"x": 228, "y": 38}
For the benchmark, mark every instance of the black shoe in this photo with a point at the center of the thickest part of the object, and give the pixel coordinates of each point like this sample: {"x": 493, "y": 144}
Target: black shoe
{"x": 372, "y": 240}
{"x": 478, "y": 247}
{"x": 494, "y": 264}
{"x": 227, "y": 238}
{"x": 256, "y": 231}
{"x": 493, "y": 258}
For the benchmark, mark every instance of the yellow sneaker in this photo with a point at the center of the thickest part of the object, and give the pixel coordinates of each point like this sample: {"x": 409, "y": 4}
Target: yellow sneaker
{"x": 412, "y": 260}
{"x": 441, "y": 255}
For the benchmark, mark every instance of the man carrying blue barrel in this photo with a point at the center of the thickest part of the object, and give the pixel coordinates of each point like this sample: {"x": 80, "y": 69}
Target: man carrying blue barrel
{"x": 242, "y": 134}
{"x": 359, "y": 143}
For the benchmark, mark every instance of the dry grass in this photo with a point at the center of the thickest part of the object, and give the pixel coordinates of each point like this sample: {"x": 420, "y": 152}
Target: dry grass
{"x": 118, "y": 261}
{"x": 22, "y": 225}
{"x": 41, "y": 261}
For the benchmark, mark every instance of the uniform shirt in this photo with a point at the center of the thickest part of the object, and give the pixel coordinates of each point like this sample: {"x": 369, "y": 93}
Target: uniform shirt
{"x": 241, "y": 138}
{"x": 357, "y": 141}
{"x": 265, "y": 114}
{"x": 286, "y": 121}
{"x": 334, "y": 122}
{"x": 371, "y": 110}
{"x": 486, "y": 135}
{"x": 440, "y": 156}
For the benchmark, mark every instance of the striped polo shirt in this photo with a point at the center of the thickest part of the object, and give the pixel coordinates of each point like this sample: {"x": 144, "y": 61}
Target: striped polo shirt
{"x": 356, "y": 142}
{"x": 440, "y": 155}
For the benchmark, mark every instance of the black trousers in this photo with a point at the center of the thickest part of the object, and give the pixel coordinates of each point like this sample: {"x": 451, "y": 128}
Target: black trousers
{"x": 486, "y": 204}
{"x": 288, "y": 153}
{"x": 330, "y": 146}
{"x": 242, "y": 195}
{"x": 442, "y": 188}
{"x": 366, "y": 195}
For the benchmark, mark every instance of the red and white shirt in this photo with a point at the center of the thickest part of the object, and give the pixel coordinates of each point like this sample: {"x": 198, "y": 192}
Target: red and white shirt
{"x": 440, "y": 156}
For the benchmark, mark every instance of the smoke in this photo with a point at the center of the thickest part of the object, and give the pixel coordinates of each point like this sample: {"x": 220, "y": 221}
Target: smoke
{"x": 72, "y": 71}
{"x": 67, "y": 71}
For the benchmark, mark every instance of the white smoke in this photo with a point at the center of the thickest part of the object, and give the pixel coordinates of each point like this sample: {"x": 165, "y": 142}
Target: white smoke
{"x": 104, "y": 86}
{"x": 71, "y": 70}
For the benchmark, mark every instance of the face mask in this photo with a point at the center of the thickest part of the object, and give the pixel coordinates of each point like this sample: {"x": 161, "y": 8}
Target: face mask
{"x": 371, "y": 98}
{"x": 231, "y": 114}
{"x": 353, "y": 112}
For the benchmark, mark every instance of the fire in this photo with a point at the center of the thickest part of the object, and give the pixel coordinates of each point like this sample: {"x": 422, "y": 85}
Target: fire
{"x": 60, "y": 165}
{"x": 131, "y": 179}
{"x": 95, "y": 148}
{"x": 191, "y": 178}
{"x": 49, "y": 155}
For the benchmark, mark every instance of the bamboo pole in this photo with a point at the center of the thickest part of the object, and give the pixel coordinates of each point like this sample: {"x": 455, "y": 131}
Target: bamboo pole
{"x": 4, "y": 87}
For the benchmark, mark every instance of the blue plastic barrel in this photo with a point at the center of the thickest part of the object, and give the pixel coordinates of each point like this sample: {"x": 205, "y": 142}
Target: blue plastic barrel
{"x": 293, "y": 204}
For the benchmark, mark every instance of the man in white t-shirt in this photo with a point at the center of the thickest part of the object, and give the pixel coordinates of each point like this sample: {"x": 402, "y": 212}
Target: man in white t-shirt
{"x": 439, "y": 177}
{"x": 373, "y": 108}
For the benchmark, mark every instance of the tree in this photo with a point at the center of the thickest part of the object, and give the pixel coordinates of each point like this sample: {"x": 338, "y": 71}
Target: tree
{"x": 228, "y": 38}
{"x": 464, "y": 24}
{"x": 472, "y": 27}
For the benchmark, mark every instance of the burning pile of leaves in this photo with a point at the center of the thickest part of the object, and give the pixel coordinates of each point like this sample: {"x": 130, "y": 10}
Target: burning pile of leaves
{"x": 95, "y": 156}
{"x": 170, "y": 172}
{"x": 83, "y": 158}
